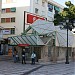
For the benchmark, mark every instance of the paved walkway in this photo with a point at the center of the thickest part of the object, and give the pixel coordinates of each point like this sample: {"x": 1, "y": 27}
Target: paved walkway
{"x": 11, "y": 68}
{"x": 57, "y": 69}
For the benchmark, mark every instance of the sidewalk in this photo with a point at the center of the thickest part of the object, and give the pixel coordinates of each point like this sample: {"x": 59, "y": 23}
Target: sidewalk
{"x": 11, "y": 68}
{"x": 56, "y": 69}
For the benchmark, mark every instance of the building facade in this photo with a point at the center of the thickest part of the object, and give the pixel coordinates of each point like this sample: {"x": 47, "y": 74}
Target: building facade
{"x": 48, "y": 41}
{"x": 46, "y": 8}
{"x": 14, "y": 20}
{"x": 0, "y": 26}
{"x": 12, "y": 15}
{"x": 0, "y": 9}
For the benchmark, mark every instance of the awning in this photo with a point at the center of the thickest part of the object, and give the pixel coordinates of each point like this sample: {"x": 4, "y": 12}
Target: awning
{"x": 61, "y": 37}
{"x": 30, "y": 40}
{"x": 43, "y": 27}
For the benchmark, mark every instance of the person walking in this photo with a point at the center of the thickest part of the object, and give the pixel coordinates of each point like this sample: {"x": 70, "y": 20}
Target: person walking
{"x": 23, "y": 56}
{"x": 33, "y": 56}
{"x": 17, "y": 57}
{"x": 14, "y": 55}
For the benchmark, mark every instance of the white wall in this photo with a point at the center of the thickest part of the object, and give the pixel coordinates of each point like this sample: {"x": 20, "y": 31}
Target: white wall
{"x": 47, "y": 14}
{"x": 0, "y": 8}
{"x": 16, "y": 3}
{"x": 21, "y": 6}
{"x": 39, "y": 6}
{"x": 0, "y": 18}
{"x": 19, "y": 20}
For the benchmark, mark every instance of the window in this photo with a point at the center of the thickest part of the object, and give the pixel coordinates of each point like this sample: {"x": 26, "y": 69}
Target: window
{"x": 8, "y": 1}
{"x": 13, "y": 19}
{"x": 43, "y": 3}
{"x": 57, "y": 9}
{"x": 53, "y": 42}
{"x": 13, "y": 9}
{"x": 2, "y": 20}
{"x": 3, "y": 10}
{"x": 7, "y": 10}
{"x": 50, "y": 7}
{"x": 43, "y": 13}
{"x": 49, "y": 51}
{"x": 12, "y": 30}
{"x": 7, "y": 20}
{"x": 36, "y": 10}
{"x": 36, "y": 1}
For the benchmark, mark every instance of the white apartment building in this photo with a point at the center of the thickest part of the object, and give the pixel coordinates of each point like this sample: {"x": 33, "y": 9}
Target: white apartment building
{"x": 0, "y": 9}
{"x": 1, "y": 36}
{"x": 0, "y": 6}
{"x": 0, "y": 16}
{"x": 13, "y": 19}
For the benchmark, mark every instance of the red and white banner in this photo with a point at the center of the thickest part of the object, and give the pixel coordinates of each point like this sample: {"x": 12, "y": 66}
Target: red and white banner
{"x": 32, "y": 18}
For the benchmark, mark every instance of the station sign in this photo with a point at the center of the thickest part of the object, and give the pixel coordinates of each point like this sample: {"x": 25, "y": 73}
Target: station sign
{"x": 22, "y": 45}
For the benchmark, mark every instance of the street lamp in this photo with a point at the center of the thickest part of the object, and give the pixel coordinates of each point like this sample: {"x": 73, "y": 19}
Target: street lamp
{"x": 68, "y": 27}
{"x": 62, "y": 26}
{"x": 67, "y": 56}
{"x": 74, "y": 22}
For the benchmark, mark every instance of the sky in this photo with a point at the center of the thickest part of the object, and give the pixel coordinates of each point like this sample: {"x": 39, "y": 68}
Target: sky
{"x": 62, "y": 2}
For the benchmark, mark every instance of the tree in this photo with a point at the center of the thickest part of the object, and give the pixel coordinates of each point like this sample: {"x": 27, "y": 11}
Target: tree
{"x": 68, "y": 12}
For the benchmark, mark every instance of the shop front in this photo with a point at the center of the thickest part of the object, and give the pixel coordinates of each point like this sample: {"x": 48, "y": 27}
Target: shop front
{"x": 48, "y": 41}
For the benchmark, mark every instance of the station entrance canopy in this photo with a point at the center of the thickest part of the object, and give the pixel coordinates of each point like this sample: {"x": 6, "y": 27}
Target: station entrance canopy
{"x": 46, "y": 29}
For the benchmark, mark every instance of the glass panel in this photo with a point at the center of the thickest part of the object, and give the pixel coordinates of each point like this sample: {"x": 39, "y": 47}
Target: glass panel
{"x": 56, "y": 8}
{"x": 7, "y": 10}
{"x": 13, "y": 19}
{"x": 36, "y": 10}
{"x": 2, "y": 20}
{"x": 8, "y": 1}
{"x": 50, "y": 7}
{"x": 12, "y": 30}
{"x": 36, "y": 1}
{"x": 11, "y": 1}
{"x": 49, "y": 51}
{"x": 13, "y": 9}
{"x": 3, "y": 10}
{"x": 43, "y": 3}
{"x": 7, "y": 19}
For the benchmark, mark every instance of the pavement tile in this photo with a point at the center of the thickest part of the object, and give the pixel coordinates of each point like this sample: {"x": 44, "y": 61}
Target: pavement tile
{"x": 57, "y": 69}
{"x": 10, "y": 68}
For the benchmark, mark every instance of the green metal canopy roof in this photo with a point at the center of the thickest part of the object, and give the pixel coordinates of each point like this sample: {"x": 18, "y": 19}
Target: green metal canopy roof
{"x": 48, "y": 31}
{"x": 31, "y": 40}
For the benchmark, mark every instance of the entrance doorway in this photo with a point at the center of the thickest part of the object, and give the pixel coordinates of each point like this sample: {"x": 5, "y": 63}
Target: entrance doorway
{"x": 0, "y": 50}
{"x": 38, "y": 52}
